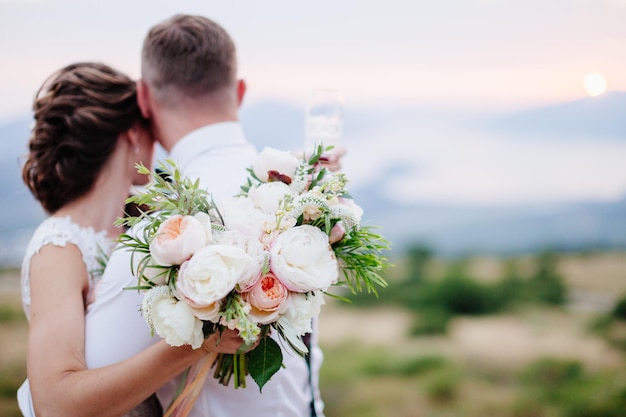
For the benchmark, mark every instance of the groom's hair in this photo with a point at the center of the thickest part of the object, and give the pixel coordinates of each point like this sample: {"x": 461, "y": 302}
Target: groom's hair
{"x": 190, "y": 56}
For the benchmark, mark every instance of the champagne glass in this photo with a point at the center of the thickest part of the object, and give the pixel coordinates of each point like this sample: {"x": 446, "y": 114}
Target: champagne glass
{"x": 324, "y": 119}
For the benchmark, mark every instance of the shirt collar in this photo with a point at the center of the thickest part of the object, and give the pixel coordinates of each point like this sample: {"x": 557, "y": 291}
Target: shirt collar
{"x": 204, "y": 139}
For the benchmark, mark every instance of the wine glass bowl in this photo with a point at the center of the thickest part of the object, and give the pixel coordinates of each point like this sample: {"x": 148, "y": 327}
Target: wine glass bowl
{"x": 324, "y": 119}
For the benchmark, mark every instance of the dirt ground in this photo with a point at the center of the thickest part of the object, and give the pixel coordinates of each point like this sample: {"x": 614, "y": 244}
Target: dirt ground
{"x": 510, "y": 341}
{"x": 503, "y": 340}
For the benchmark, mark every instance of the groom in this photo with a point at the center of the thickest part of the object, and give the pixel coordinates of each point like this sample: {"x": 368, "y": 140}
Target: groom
{"x": 190, "y": 92}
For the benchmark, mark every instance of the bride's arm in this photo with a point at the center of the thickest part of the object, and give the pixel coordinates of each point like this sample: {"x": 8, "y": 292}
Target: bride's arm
{"x": 61, "y": 384}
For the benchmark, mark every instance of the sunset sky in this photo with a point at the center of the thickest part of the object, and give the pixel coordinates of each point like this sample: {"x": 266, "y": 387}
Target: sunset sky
{"x": 438, "y": 54}
{"x": 450, "y": 53}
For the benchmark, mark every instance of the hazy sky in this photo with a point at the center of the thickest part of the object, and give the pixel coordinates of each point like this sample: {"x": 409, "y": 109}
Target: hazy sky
{"x": 446, "y": 53}
{"x": 459, "y": 54}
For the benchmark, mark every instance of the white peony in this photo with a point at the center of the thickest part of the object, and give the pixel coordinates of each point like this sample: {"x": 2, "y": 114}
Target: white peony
{"x": 300, "y": 309}
{"x": 240, "y": 215}
{"x": 267, "y": 196}
{"x": 302, "y": 259}
{"x": 270, "y": 159}
{"x": 172, "y": 319}
{"x": 179, "y": 237}
{"x": 252, "y": 247}
{"x": 211, "y": 273}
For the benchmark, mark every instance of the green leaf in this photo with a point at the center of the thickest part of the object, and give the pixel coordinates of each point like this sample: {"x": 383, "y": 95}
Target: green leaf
{"x": 264, "y": 361}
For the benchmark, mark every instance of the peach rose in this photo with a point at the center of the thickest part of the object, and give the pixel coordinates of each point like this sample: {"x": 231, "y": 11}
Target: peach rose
{"x": 179, "y": 237}
{"x": 266, "y": 298}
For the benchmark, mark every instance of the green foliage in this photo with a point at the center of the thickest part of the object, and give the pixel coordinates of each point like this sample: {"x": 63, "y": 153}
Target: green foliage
{"x": 419, "y": 258}
{"x": 11, "y": 377}
{"x": 362, "y": 261}
{"x": 619, "y": 310}
{"x": 546, "y": 373}
{"x": 431, "y": 321}
{"x": 265, "y": 361}
{"x": 436, "y": 299}
{"x": 461, "y": 294}
{"x": 10, "y": 314}
{"x": 547, "y": 285}
{"x": 169, "y": 193}
{"x": 443, "y": 386}
{"x": 404, "y": 367}
{"x": 565, "y": 386}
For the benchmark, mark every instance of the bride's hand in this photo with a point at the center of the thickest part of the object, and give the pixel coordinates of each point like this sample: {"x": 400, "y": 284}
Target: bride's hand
{"x": 228, "y": 341}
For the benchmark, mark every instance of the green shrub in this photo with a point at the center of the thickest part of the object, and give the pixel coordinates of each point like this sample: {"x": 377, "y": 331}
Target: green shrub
{"x": 10, "y": 314}
{"x": 431, "y": 321}
{"x": 458, "y": 293}
{"x": 547, "y": 285}
{"x": 548, "y": 378}
{"x": 404, "y": 367}
{"x": 442, "y": 386}
{"x": 619, "y": 311}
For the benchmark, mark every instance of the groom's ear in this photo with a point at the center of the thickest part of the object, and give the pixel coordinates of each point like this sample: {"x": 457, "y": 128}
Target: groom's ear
{"x": 143, "y": 98}
{"x": 241, "y": 91}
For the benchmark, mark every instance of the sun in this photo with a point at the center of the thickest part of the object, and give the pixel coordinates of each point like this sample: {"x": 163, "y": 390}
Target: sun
{"x": 594, "y": 84}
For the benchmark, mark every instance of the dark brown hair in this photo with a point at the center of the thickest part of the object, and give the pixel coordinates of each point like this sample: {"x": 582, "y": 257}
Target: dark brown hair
{"x": 192, "y": 54}
{"x": 79, "y": 114}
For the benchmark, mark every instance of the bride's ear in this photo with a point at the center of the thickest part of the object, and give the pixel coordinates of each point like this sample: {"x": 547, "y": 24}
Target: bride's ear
{"x": 132, "y": 136}
{"x": 143, "y": 98}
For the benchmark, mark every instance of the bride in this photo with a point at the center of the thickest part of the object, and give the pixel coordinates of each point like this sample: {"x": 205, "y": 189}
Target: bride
{"x": 87, "y": 137}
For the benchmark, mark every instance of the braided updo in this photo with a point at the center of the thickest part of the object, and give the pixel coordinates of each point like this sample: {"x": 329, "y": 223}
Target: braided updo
{"x": 79, "y": 114}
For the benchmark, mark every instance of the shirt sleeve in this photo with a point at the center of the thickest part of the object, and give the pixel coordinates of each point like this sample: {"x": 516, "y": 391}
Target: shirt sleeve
{"x": 114, "y": 327}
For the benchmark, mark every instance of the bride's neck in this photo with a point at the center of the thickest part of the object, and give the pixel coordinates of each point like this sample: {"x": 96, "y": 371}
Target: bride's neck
{"x": 100, "y": 206}
{"x": 91, "y": 211}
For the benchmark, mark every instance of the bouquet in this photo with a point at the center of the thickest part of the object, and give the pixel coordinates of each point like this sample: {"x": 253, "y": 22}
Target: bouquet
{"x": 260, "y": 261}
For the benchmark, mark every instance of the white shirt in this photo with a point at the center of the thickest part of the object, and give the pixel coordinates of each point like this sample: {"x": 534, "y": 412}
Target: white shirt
{"x": 218, "y": 156}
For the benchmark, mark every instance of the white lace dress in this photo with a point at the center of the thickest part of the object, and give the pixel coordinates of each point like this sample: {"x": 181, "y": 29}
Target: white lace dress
{"x": 60, "y": 231}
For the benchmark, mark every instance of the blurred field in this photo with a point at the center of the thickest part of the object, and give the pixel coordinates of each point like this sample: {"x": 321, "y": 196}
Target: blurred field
{"x": 533, "y": 360}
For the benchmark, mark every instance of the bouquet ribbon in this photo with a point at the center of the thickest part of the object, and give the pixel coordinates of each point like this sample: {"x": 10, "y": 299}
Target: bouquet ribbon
{"x": 197, "y": 374}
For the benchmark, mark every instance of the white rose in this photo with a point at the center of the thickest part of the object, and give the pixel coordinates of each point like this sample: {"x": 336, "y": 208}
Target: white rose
{"x": 211, "y": 273}
{"x": 270, "y": 159}
{"x": 178, "y": 237}
{"x": 172, "y": 319}
{"x": 267, "y": 195}
{"x": 299, "y": 309}
{"x": 301, "y": 257}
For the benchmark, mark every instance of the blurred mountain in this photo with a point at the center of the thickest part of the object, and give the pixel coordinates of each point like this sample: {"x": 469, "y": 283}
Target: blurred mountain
{"x": 19, "y": 212}
{"x": 447, "y": 229}
{"x": 456, "y": 230}
{"x": 600, "y": 117}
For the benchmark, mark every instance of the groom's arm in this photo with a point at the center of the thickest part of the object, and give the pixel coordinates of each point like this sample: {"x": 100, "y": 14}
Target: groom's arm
{"x": 114, "y": 327}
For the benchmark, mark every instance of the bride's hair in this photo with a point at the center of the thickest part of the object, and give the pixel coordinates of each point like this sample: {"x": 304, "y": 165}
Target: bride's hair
{"x": 80, "y": 111}
{"x": 189, "y": 55}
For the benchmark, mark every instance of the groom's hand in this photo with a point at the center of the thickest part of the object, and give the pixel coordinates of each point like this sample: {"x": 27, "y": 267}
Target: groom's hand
{"x": 330, "y": 160}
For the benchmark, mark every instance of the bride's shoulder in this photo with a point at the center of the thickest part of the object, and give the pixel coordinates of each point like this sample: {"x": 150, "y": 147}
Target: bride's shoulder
{"x": 60, "y": 231}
